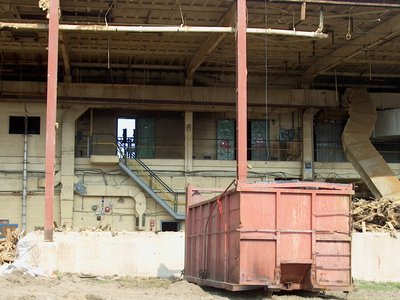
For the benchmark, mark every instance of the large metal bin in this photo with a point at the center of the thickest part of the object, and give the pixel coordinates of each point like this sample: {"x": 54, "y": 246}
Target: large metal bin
{"x": 283, "y": 236}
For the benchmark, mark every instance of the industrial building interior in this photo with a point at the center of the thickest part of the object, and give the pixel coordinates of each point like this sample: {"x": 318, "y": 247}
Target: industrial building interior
{"x": 239, "y": 129}
{"x": 147, "y": 63}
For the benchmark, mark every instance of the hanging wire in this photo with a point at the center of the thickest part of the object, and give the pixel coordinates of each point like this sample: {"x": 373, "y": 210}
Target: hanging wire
{"x": 1, "y": 70}
{"x": 266, "y": 85}
{"x": 349, "y": 28}
{"x": 336, "y": 89}
{"x": 108, "y": 52}
{"x": 180, "y": 11}
{"x": 20, "y": 79}
{"x": 108, "y": 37}
{"x": 1, "y": 64}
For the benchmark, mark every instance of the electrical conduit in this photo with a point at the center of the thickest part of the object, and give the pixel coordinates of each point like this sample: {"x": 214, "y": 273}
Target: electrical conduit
{"x": 24, "y": 174}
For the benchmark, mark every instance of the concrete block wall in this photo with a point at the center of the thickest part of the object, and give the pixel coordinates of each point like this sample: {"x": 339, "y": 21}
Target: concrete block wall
{"x": 374, "y": 255}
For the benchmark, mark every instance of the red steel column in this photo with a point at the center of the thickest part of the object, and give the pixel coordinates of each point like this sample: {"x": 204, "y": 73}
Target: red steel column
{"x": 241, "y": 85}
{"x": 51, "y": 118}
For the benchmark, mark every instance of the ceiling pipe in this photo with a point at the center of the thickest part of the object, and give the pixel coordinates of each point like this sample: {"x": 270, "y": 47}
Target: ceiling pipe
{"x": 25, "y": 174}
{"x": 337, "y": 2}
{"x": 147, "y": 29}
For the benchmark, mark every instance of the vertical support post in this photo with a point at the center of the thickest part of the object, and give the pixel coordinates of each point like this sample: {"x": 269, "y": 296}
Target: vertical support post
{"x": 90, "y": 138}
{"x": 241, "y": 85}
{"x": 68, "y": 163}
{"x": 91, "y": 123}
{"x": 308, "y": 145}
{"x": 51, "y": 111}
{"x": 188, "y": 141}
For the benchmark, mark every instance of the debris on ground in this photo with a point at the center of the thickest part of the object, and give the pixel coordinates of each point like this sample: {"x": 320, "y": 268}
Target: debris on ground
{"x": 19, "y": 258}
{"x": 98, "y": 228}
{"x": 8, "y": 246}
{"x": 381, "y": 215}
{"x": 185, "y": 289}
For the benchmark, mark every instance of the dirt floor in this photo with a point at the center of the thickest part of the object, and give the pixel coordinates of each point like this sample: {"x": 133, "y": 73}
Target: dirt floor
{"x": 67, "y": 287}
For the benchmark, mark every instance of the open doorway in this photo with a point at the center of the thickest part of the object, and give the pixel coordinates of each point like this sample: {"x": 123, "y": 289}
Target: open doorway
{"x": 126, "y": 137}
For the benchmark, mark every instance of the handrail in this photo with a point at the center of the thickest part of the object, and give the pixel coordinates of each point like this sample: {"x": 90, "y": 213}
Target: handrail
{"x": 150, "y": 172}
{"x": 144, "y": 166}
{"x": 143, "y": 171}
{"x": 171, "y": 210}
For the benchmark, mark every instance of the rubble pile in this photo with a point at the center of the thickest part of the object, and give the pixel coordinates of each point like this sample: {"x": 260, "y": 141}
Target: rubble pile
{"x": 381, "y": 215}
{"x": 8, "y": 246}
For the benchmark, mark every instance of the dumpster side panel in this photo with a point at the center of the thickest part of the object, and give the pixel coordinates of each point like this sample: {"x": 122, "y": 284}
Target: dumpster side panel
{"x": 213, "y": 243}
{"x": 231, "y": 221}
{"x": 333, "y": 247}
{"x": 257, "y": 237}
{"x": 193, "y": 241}
{"x": 294, "y": 225}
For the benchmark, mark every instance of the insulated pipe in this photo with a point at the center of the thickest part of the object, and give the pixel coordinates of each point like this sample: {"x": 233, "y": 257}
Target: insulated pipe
{"x": 51, "y": 119}
{"x": 321, "y": 21}
{"x": 241, "y": 85}
{"x": 24, "y": 175}
{"x": 195, "y": 29}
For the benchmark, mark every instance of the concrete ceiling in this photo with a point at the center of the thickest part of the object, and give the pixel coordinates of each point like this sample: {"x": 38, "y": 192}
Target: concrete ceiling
{"x": 369, "y": 57}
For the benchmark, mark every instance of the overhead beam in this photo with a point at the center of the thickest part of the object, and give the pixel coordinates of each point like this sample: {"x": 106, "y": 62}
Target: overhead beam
{"x": 231, "y": 69}
{"x": 374, "y": 38}
{"x": 365, "y": 74}
{"x": 101, "y": 5}
{"x": 127, "y": 5}
{"x": 390, "y": 62}
{"x": 212, "y": 41}
{"x": 207, "y": 98}
{"x": 343, "y": 3}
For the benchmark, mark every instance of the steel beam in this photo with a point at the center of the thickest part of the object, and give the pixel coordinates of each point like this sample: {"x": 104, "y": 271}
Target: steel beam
{"x": 51, "y": 111}
{"x": 212, "y": 42}
{"x": 338, "y": 2}
{"x": 241, "y": 85}
{"x": 352, "y": 48}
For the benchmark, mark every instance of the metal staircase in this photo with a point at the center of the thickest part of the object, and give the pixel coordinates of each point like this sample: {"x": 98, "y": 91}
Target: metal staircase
{"x": 151, "y": 183}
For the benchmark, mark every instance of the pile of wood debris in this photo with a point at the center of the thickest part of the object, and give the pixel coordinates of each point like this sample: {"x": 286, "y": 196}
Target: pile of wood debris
{"x": 381, "y": 215}
{"x": 64, "y": 228}
{"x": 98, "y": 228}
{"x": 8, "y": 246}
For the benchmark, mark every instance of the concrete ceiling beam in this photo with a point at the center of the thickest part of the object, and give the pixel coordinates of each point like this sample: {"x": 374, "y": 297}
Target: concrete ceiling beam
{"x": 343, "y": 3}
{"x": 375, "y": 37}
{"x": 212, "y": 42}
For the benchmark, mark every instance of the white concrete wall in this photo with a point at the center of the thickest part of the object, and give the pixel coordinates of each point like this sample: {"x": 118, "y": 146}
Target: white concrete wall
{"x": 374, "y": 255}
{"x": 145, "y": 254}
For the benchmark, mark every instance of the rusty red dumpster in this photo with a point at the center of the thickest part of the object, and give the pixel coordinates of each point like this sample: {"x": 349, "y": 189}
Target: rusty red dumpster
{"x": 282, "y": 236}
